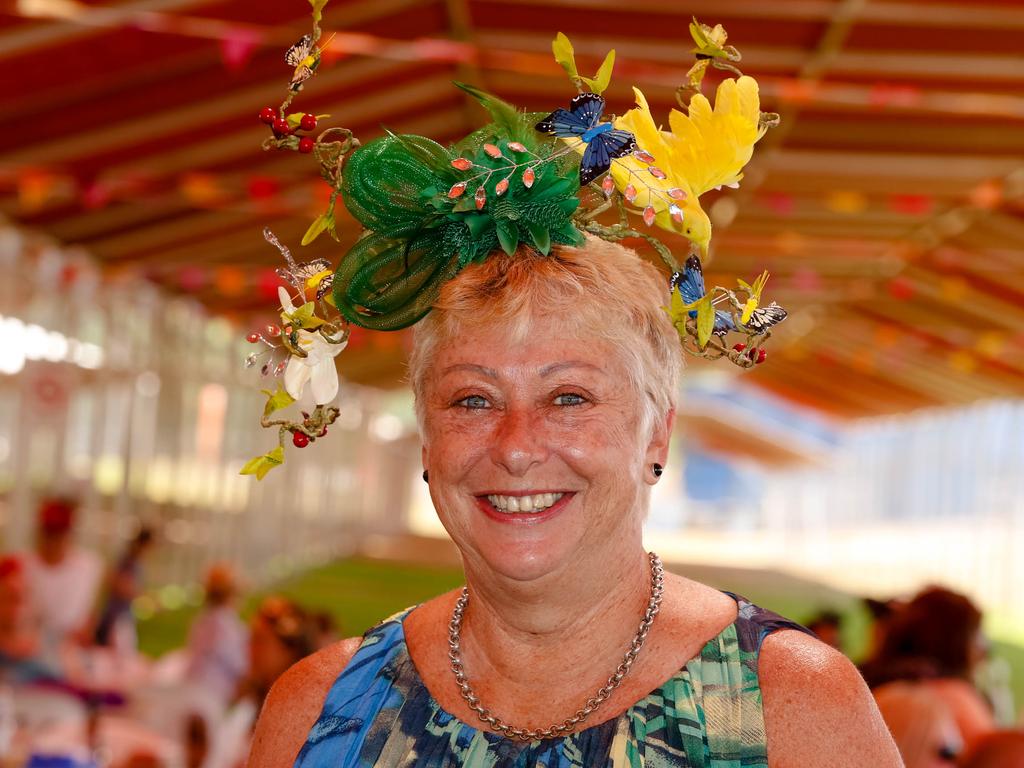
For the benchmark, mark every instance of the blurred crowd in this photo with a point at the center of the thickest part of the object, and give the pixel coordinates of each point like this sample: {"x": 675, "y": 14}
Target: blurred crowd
{"x": 74, "y": 690}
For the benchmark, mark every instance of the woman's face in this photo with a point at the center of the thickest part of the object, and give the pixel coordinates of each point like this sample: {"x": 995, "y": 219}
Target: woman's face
{"x": 534, "y": 449}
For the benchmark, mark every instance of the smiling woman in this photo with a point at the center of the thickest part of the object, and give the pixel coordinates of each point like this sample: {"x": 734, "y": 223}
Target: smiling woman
{"x": 545, "y": 390}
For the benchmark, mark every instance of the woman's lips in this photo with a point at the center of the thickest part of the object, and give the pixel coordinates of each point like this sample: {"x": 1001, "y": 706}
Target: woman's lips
{"x": 561, "y": 499}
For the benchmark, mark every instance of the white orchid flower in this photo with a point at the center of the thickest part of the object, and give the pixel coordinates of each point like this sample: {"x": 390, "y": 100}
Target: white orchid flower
{"x": 317, "y": 368}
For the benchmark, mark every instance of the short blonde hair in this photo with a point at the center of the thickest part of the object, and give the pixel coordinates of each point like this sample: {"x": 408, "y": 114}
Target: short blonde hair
{"x": 614, "y": 295}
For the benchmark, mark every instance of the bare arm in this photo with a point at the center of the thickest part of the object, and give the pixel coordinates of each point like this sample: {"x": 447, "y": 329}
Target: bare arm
{"x": 818, "y": 711}
{"x": 294, "y": 704}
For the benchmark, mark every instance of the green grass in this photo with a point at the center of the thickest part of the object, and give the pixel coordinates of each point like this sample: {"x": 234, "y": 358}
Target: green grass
{"x": 359, "y": 593}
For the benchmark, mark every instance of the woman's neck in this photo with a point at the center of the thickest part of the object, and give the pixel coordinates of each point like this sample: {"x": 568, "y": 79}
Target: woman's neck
{"x": 583, "y": 615}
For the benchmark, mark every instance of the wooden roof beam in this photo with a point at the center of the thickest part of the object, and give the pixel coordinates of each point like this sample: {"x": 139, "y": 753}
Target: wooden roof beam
{"x": 905, "y": 14}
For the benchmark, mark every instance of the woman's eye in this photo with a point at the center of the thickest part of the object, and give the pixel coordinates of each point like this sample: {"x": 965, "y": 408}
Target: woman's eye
{"x": 569, "y": 398}
{"x": 473, "y": 402}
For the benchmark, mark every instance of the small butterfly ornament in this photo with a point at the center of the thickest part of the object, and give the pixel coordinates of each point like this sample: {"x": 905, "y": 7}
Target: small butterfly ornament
{"x": 316, "y": 274}
{"x": 304, "y": 56}
{"x": 695, "y": 316}
{"x": 582, "y": 120}
{"x": 690, "y": 284}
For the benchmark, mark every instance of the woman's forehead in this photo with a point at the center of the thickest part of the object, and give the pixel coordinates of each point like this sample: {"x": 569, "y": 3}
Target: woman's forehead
{"x": 492, "y": 351}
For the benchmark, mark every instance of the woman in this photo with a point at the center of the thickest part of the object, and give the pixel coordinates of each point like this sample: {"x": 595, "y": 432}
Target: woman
{"x": 545, "y": 393}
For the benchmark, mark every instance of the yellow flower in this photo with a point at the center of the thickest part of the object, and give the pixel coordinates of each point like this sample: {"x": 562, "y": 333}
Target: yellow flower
{"x": 703, "y": 150}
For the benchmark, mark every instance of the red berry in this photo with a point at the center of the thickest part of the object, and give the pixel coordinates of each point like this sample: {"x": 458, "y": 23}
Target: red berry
{"x": 306, "y": 145}
{"x": 762, "y": 355}
{"x": 739, "y": 347}
{"x": 300, "y": 439}
{"x": 281, "y": 127}
{"x": 252, "y": 338}
{"x": 308, "y": 122}
{"x": 272, "y": 330}
{"x": 268, "y": 115}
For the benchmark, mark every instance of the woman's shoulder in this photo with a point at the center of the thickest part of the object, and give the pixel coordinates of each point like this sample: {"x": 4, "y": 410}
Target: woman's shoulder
{"x": 294, "y": 703}
{"x": 817, "y": 709}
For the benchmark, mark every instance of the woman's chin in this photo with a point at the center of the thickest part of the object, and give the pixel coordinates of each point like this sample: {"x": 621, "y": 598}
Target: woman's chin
{"x": 521, "y": 561}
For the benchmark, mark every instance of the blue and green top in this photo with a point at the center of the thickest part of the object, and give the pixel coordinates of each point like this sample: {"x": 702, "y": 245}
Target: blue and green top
{"x": 707, "y": 715}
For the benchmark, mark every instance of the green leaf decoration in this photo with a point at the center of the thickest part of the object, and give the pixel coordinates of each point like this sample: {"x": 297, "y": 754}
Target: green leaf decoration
{"x": 478, "y": 224}
{"x": 541, "y": 237}
{"x": 294, "y": 119}
{"x": 331, "y": 230}
{"x": 679, "y": 310}
{"x": 263, "y": 464}
{"x": 315, "y": 229}
{"x": 705, "y": 321}
{"x": 508, "y": 235}
{"x": 600, "y": 81}
{"x": 507, "y": 118}
{"x": 565, "y": 55}
{"x": 304, "y": 317}
{"x": 276, "y": 400}
{"x": 318, "y": 8}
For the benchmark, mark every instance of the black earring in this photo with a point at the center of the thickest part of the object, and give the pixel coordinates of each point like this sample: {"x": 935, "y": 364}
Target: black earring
{"x": 426, "y": 476}
{"x": 657, "y": 469}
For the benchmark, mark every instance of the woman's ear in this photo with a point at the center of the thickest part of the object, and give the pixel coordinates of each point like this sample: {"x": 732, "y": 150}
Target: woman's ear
{"x": 657, "y": 447}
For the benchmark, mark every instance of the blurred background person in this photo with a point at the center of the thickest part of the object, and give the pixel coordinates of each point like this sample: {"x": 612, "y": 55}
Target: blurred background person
{"x": 280, "y": 634}
{"x": 19, "y": 641}
{"x": 827, "y": 626}
{"x": 116, "y": 625}
{"x": 936, "y": 642}
{"x": 62, "y": 578}
{"x": 1000, "y": 749}
{"x": 218, "y": 641}
{"x": 921, "y": 724}
{"x": 326, "y": 627}
{"x": 880, "y": 613}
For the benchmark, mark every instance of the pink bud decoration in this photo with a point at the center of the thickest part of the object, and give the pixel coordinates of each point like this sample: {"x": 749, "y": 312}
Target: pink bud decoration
{"x": 492, "y": 150}
{"x": 676, "y": 213}
{"x": 677, "y": 194}
{"x": 501, "y": 187}
{"x": 515, "y": 146}
{"x": 528, "y": 177}
{"x": 457, "y": 189}
{"x": 607, "y": 185}
{"x": 252, "y": 338}
{"x": 480, "y": 197}
{"x": 649, "y": 215}
{"x": 643, "y": 156}
{"x": 629, "y": 193}
{"x": 462, "y": 164}
{"x": 272, "y": 331}
{"x": 656, "y": 172}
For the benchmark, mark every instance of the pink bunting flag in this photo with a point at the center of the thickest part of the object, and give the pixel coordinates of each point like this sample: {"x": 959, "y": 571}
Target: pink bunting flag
{"x": 237, "y": 47}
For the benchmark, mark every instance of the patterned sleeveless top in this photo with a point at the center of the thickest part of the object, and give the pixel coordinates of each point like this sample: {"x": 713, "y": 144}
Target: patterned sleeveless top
{"x": 708, "y": 715}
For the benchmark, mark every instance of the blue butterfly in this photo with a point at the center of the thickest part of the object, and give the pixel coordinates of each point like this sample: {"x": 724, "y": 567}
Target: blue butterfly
{"x": 583, "y": 121}
{"x": 690, "y": 283}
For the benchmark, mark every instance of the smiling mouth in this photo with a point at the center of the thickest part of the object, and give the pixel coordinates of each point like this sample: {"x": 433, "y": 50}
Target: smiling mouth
{"x": 529, "y": 505}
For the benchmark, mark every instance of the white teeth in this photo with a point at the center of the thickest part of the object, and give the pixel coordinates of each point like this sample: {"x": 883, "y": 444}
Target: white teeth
{"x": 528, "y": 504}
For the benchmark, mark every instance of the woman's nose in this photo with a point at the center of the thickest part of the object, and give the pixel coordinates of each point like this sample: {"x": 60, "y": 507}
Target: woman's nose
{"x": 519, "y": 442}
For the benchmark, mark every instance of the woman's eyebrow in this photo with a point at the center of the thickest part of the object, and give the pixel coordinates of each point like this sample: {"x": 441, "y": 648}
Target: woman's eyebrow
{"x": 473, "y": 368}
{"x": 547, "y": 370}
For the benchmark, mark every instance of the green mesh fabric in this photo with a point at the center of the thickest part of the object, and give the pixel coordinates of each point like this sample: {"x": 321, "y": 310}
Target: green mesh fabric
{"x": 418, "y": 237}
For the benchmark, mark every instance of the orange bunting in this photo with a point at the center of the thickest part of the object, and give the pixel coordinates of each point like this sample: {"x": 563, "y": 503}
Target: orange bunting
{"x": 846, "y": 201}
{"x": 229, "y": 281}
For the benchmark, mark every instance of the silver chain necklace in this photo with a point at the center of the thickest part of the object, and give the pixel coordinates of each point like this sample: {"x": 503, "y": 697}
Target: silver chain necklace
{"x": 567, "y": 725}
